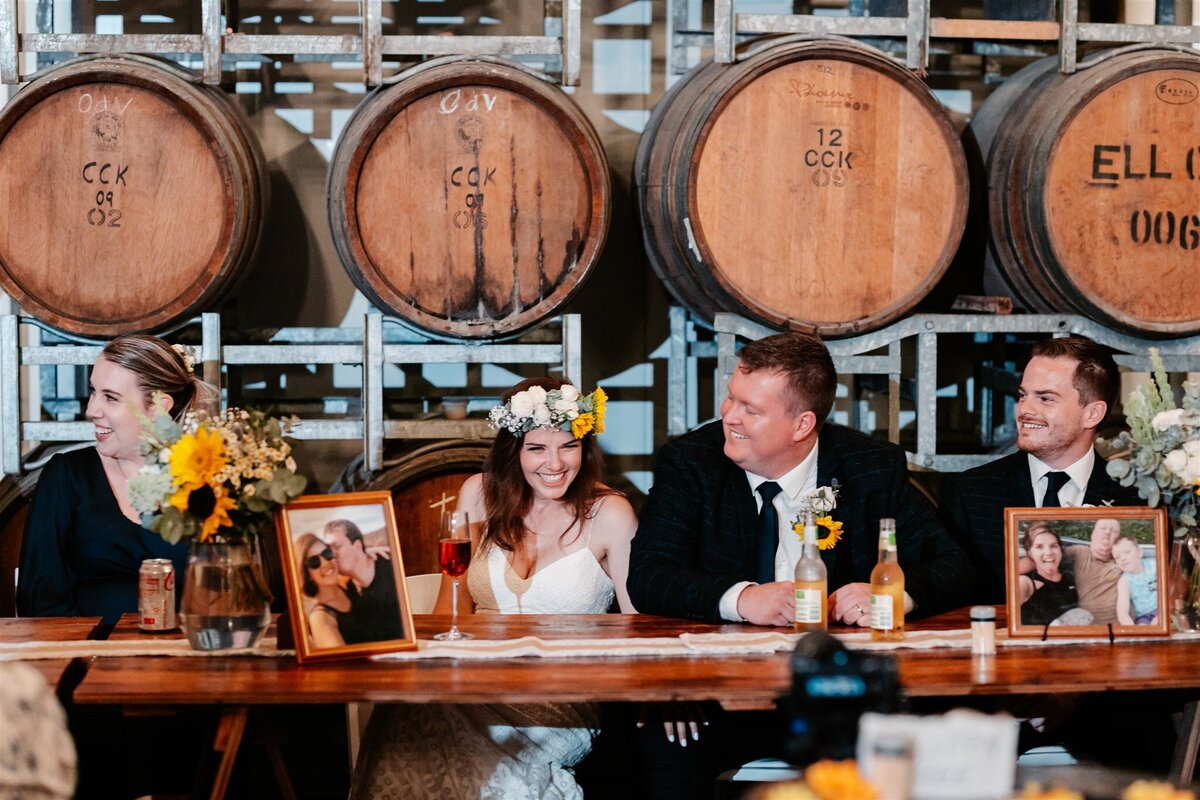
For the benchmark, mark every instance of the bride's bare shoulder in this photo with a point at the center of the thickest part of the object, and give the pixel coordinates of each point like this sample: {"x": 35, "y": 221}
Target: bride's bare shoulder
{"x": 470, "y": 495}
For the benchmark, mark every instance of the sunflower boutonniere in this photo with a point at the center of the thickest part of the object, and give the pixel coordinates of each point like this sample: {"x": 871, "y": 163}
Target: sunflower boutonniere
{"x": 821, "y": 502}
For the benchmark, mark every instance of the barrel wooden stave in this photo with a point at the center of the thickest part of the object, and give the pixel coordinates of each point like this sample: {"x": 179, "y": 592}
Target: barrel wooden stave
{"x": 471, "y": 198}
{"x": 1067, "y": 198}
{"x": 754, "y": 229}
{"x": 188, "y": 188}
{"x": 423, "y": 481}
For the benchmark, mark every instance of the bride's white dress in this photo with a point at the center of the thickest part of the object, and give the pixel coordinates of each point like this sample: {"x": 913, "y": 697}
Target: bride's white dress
{"x": 511, "y": 751}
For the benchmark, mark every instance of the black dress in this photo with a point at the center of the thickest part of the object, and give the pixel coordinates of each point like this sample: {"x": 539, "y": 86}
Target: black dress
{"x": 1050, "y": 600}
{"x": 81, "y": 555}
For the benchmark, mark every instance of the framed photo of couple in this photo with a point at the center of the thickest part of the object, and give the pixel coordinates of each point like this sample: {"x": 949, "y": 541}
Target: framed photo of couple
{"x": 344, "y": 576}
{"x": 1090, "y": 571}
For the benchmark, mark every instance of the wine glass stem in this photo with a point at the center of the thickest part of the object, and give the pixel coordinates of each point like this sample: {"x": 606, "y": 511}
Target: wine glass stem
{"x": 454, "y": 605}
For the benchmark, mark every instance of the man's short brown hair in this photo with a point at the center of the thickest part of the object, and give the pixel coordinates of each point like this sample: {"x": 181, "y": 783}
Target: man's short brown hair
{"x": 1096, "y": 374}
{"x": 804, "y": 361}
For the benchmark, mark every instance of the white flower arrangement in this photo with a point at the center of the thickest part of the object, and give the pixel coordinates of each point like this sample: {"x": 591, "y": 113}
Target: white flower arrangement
{"x": 563, "y": 408}
{"x": 1160, "y": 454}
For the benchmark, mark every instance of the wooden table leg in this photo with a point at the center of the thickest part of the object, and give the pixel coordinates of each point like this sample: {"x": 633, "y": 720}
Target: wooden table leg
{"x": 271, "y": 744}
{"x": 1183, "y": 765}
{"x": 230, "y": 729}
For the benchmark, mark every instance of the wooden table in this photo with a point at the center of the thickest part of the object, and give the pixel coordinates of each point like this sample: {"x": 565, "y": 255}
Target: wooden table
{"x": 54, "y": 670}
{"x": 736, "y": 681}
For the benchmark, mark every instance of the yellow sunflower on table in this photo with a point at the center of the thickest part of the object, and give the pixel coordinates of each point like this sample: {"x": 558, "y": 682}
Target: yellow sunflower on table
{"x": 197, "y": 457}
{"x": 210, "y": 504}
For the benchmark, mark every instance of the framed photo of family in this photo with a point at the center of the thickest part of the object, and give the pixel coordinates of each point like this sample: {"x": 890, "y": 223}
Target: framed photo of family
{"x": 344, "y": 576}
{"x": 1090, "y": 571}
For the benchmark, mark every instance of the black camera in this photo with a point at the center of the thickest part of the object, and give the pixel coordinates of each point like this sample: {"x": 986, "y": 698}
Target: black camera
{"x": 831, "y": 688}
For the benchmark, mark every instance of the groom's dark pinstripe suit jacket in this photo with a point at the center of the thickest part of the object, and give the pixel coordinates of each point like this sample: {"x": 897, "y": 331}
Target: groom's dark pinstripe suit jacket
{"x": 696, "y": 532}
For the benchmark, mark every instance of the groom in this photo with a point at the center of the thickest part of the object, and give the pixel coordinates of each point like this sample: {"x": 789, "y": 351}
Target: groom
{"x": 715, "y": 542}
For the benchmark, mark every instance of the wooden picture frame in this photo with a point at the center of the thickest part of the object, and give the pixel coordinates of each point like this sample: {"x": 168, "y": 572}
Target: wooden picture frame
{"x": 1088, "y": 571}
{"x": 329, "y": 543}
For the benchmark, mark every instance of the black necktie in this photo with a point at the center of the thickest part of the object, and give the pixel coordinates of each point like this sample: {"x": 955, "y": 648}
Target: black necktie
{"x": 1054, "y": 482}
{"x": 768, "y": 532}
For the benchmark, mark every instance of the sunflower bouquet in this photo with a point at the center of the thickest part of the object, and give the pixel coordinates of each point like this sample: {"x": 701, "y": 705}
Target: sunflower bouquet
{"x": 213, "y": 478}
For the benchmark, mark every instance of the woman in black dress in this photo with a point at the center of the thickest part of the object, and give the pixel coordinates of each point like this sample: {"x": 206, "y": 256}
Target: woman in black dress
{"x": 1049, "y": 591}
{"x": 83, "y": 541}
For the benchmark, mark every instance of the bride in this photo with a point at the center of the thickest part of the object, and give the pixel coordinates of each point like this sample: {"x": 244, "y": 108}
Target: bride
{"x": 555, "y": 541}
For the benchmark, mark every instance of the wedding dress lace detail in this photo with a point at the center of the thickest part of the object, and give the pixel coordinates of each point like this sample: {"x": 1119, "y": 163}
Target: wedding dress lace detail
{"x": 505, "y": 752}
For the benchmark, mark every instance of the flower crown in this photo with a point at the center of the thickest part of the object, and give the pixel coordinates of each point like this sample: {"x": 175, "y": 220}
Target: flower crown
{"x": 563, "y": 408}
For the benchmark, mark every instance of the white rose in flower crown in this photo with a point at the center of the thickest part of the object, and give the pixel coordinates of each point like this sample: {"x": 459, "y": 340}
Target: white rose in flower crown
{"x": 567, "y": 407}
{"x": 569, "y": 393}
{"x": 522, "y": 403}
{"x": 537, "y": 394}
{"x": 541, "y": 415}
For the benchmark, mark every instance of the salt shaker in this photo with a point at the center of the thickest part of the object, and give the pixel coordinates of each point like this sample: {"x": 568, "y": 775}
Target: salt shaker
{"x": 983, "y": 631}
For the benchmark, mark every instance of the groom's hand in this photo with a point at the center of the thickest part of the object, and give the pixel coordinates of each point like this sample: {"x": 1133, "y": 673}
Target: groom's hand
{"x": 768, "y": 603}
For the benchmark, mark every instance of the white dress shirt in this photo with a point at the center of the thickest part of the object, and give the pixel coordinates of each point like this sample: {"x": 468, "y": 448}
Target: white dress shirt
{"x": 1072, "y": 492}
{"x": 797, "y": 485}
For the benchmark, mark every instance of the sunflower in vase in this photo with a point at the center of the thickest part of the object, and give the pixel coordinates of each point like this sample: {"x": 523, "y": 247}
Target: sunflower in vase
{"x": 216, "y": 481}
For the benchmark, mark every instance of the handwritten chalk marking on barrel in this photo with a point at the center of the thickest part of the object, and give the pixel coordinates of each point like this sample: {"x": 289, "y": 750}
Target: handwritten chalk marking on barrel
{"x": 451, "y": 100}
{"x": 102, "y": 104}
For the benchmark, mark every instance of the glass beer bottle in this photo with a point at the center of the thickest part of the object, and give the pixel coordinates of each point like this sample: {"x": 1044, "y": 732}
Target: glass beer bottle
{"x": 887, "y": 588}
{"x": 812, "y": 583}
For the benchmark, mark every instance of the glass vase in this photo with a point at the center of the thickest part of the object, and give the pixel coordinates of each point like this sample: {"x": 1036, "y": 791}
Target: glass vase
{"x": 1185, "y": 581}
{"x": 224, "y": 603}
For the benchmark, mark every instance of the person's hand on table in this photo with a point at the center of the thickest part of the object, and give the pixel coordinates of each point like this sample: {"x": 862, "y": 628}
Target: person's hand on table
{"x": 679, "y": 719}
{"x": 768, "y": 603}
{"x": 851, "y": 605}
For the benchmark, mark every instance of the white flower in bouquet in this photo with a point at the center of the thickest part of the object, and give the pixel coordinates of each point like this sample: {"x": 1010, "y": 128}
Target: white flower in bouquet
{"x": 541, "y": 414}
{"x": 537, "y": 394}
{"x": 1160, "y": 454}
{"x": 569, "y": 393}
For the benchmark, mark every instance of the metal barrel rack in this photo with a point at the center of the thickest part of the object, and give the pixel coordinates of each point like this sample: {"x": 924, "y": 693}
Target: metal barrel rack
{"x": 367, "y": 347}
{"x": 916, "y": 29}
{"x": 882, "y": 353}
{"x": 216, "y": 40}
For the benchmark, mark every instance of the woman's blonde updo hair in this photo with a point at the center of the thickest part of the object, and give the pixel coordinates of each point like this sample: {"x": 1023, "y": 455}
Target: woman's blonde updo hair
{"x": 159, "y": 367}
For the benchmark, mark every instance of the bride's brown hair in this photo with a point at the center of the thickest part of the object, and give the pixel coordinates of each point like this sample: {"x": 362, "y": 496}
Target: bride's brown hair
{"x": 507, "y": 496}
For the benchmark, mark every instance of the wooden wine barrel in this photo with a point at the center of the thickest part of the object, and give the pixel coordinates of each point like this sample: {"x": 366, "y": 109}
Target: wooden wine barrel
{"x": 422, "y": 481}
{"x": 470, "y": 197}
{"x": 131, "y": 195}
{"x": 814, "y": 185}
{"x": 1094, "y": 188}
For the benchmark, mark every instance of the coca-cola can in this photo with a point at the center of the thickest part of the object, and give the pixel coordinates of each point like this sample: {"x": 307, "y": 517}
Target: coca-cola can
{"x": 156, "y": 595}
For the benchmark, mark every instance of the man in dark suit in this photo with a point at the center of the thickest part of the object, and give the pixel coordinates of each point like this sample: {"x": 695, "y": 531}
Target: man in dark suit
{"x": 1067, "y": 389}
{"x": 715, "y": 541}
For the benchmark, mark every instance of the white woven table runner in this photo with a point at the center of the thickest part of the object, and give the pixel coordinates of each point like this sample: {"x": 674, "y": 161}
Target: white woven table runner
{"x": 687, "y": 644}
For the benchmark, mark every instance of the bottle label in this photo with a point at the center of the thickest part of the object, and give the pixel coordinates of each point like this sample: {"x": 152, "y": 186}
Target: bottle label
{"x": 883, "y": 616}
{"x": 808, "y": 605}
{"x": 887, "y": 540}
